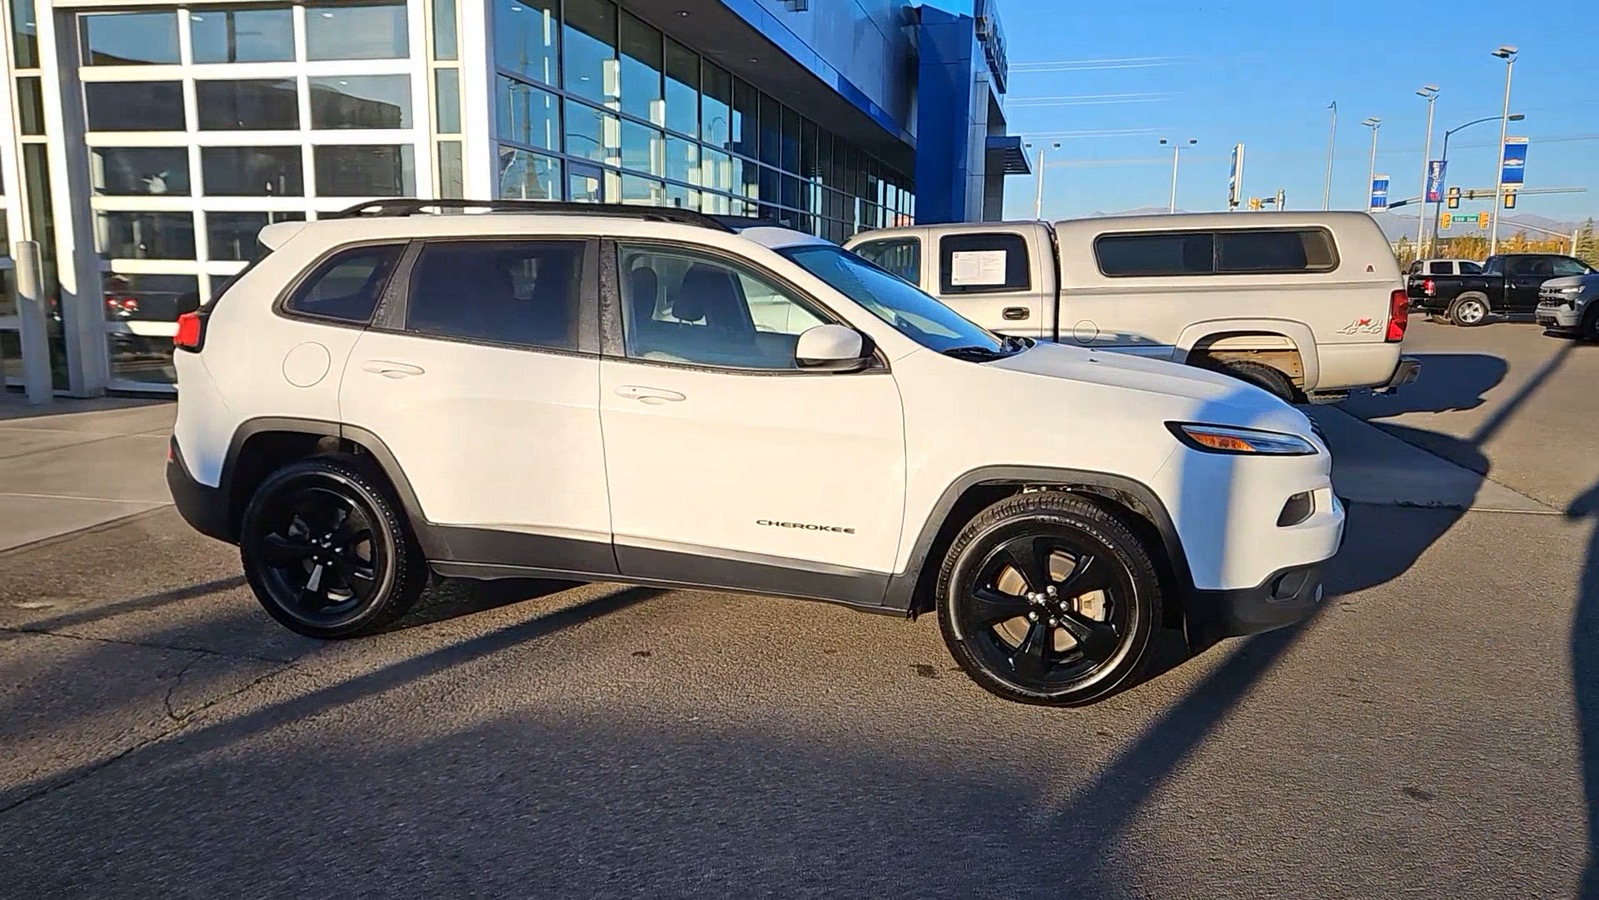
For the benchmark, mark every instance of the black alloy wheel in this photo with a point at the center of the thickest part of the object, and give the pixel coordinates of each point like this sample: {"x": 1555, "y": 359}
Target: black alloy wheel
{"x": 326, "y": 552}
{"x": 1046, "y": 598}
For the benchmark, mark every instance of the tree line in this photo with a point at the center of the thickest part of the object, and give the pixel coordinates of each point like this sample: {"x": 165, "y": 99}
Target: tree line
{"x": 1475, "y": 246}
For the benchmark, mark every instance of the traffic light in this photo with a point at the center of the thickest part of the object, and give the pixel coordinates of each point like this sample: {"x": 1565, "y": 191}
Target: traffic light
{"x": 1445, "y": 220}
{"x": 1510, "y": 199}
{"x": 1482, "y": 220}
{"x": 1454, "y": 198}
{"x": 1254, "y": 203}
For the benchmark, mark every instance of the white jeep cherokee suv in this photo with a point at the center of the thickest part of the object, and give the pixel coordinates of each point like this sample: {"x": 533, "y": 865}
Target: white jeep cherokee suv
{"x": 664, "y": 398}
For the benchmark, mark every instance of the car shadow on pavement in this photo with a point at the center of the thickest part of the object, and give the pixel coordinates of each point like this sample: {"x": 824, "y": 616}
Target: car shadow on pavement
{"x": 1585, "y": 678}
{"x": 451, "y": 598}
{"x": 1448, "y": 382}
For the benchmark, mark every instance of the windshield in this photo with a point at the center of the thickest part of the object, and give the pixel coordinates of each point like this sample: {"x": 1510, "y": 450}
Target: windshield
{"x": 913, "y": 313}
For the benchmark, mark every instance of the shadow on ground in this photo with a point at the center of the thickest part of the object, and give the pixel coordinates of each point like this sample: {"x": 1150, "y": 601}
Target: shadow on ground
{"x": 1585, "y": 677}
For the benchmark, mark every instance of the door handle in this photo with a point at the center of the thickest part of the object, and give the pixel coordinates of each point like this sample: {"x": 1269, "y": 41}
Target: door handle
{"x": 1016, "y": 313}
{"x": 648, "y": 394}
{"x": 391, "y": 369}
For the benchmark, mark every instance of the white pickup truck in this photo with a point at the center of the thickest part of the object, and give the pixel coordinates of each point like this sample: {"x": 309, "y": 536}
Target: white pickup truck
{"x": 1309, "y": 306}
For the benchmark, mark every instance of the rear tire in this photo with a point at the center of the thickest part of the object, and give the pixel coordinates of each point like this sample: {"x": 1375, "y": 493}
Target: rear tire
{"x": 1469, "y": 310}
{"x": 1588, "y": 331}
{"x": 328, "y": 552}
{"x": 1271, "y": 380}
{"x": 1037, "y": 571}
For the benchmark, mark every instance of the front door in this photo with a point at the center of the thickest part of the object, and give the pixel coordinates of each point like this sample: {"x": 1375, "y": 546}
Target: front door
{"x": 1526, "y": 275}
{"x": 726, "y": 463}
{"x": 487, "y": 395}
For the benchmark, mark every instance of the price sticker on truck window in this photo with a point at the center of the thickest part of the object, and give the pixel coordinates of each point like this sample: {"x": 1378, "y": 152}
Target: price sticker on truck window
{"x": 977, "y": 268}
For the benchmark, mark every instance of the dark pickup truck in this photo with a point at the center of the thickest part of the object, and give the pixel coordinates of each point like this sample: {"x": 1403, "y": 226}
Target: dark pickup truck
{"x": 1508, "y": 284}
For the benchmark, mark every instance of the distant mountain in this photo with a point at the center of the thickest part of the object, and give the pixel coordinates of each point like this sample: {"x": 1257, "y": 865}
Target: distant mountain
{"x": 1140, "y": 211}
{"x": 1402, "y": 223}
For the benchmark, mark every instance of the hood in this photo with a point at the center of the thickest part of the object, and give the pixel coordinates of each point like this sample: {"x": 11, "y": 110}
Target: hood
{"x": 1570, "y": 281}
{"x": 1212, "y": 397}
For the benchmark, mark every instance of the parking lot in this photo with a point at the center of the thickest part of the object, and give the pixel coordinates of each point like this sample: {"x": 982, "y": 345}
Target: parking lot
{"x": 1434, "y": 731}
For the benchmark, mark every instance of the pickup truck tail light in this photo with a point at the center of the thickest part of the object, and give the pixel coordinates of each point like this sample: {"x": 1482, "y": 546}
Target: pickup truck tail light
{"x": 1427, "y": 287}
{"x": 1398, "y": 316}
{"x": 191, "y": 332}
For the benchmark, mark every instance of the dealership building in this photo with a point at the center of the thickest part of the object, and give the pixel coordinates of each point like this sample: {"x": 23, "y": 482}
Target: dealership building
{"x": 152, "y": 140}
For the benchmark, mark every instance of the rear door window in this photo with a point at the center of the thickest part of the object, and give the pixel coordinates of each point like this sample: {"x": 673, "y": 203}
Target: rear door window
{"x": 901, "y": 256}
{"x": 1441, "y": 268}
{"x": 1470, "y": 268}
{"x": 522, "y": 293}
{"x": 989, "y": 263}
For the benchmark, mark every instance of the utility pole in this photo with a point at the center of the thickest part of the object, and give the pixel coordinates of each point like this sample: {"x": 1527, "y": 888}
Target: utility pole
{"x": 1332, "y": 138}
{"x": 1038, "y": 193}
{"x": 1430, "y": 94}
{"x": 1176, "y": 148}
{"x": 1508, "y": 54}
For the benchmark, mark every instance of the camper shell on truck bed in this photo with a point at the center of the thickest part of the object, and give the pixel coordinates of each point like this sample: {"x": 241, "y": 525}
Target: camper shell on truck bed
{"x": 1308, "y": 305}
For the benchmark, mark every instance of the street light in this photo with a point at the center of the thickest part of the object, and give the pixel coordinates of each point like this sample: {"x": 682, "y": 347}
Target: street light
{"x": 1176, "y": 148}
{"x": 1508, "y": 54}
{"x": 1038, "y": 196}
{"x": 1443, "y": 157}
{"x": 1373, "y": 123}
{"x": 1332, "y": 137}
{"x": 1430, "y": 94}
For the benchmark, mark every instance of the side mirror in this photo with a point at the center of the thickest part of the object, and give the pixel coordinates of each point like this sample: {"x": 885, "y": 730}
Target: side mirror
{"x": 832, "y": 348}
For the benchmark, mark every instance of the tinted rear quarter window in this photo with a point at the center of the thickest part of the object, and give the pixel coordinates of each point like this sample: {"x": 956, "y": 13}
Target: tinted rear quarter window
{"x": 1156, "y": 253}
{"x": 1220, "y": 252}
{"x": 1470, "y": 268}
{"x": 522, "y": 293}
{"x": 989, "y": 263}
{"x": 346, "y": 287}
{"x": 1440, "y": 268}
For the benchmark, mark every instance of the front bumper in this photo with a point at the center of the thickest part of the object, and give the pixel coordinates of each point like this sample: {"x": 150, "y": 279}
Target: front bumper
{"x": 1287, "y": 596}
{"x": 1558, "y": 318}
{"x": 205, "y": 508}
{"x": 1404, "y": 373}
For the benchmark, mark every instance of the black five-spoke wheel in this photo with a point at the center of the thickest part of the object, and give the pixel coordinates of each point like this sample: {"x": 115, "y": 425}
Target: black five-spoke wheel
{"x": 1046, "y": 598}
{"x": 326, "y": 551}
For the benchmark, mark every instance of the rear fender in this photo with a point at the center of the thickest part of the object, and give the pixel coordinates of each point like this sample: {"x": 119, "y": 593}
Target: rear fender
{"x": 1303, "y": 339}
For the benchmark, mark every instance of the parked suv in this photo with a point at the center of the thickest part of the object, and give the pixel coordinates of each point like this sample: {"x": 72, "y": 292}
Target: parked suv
{"x": 1567, "y": 306}
{"x": 1309, "y": 306}
{"x": 659, "y": 397}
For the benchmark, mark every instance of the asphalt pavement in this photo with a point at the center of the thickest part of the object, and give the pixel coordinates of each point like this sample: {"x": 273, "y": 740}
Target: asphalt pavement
{"x": 1433, "y": 732}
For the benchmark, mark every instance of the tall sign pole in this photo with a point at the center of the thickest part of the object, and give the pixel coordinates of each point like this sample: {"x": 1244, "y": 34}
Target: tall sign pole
{"x": 1332, "y": 138}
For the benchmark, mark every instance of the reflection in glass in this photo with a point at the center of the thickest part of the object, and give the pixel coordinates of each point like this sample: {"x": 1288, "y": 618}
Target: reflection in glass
{"x": 356, "y": 31}
{"x": 129, "y": 39}
{"x": 641, "y": 71}
{"x": 141, "y": 313}
{"x": 146, "y": 235}
{"x": 134, "y": 105}
{"x": 682, "y": 160}
{"x": 527, "y": 114}
{"x": 8, "y": 288}
{"x": 444, "y": 33}
{"x": 365, "y": 171}
{"x": 232, "y": 235}
{"x": 30, "y": 105}
{"x": 242, "y": 35}
{"x": 746, "y": 119}
{"x": 589, "y": 184}
{"x": 135, "y": 171}
{"x": 716, "y": 170}
{"x": 527, "y": 38}
{"x": 771, "y": 127}
{"x": 682, "y": 198}
{"x": 791, "y": 140}
{"x": 642, "y": 149}
{"x": 642, "y": 191}
{"x": 452, "y": 177}
{"x": 24, "y": 35}
{"x": 529, "y": 176}
{"x": 589, "y": 67}
{"x": 716, "y": 107}
{"x": 447, "y": 100}
{"x": 266, "y": 105}
{"x": 682, "y": 88}
{"x": 252, "y": 172}
{"x": 592, "y": 134}
{"x": 361, "y": 101}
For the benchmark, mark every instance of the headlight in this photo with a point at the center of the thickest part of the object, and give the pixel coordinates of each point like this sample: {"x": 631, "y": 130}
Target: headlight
{"x": 1241, "y": 441}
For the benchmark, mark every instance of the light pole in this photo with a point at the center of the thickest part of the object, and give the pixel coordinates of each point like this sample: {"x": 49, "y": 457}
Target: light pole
{"x": 1038, "y": 195}
{"x": 1430, "y": 94}
{"x": 1443, "y": 156}
{"x": 1332, "y": 137}
{"x": 1508, "y": 54}
{"x": 1373, "y": 123}
{"x": 1176, "y": 149}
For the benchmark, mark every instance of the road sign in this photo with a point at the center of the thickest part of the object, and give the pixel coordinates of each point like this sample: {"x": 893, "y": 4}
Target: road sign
{"x": 1482, "y": 219}
{"x": 1379, "y": 193}
{"x": 1445, "y": 220}
{"x": 1235, "y": 176}
{"x": 1513, "y": 166}
{"x": 1435, "y": 179}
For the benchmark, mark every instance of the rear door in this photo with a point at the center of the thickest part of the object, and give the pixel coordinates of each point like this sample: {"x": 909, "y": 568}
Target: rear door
{"x": 997, "y": 278}
{"x": 482, "y": 380}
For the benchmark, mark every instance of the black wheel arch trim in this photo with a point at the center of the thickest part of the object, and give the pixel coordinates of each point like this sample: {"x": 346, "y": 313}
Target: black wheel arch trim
{"x": 903, "y": 587}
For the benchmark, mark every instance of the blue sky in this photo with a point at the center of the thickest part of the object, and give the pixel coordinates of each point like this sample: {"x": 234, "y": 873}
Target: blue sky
{"x": 1264, "y": 72}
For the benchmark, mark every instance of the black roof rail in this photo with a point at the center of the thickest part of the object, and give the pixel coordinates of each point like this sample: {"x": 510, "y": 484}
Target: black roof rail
{"x": 408, "y": 206}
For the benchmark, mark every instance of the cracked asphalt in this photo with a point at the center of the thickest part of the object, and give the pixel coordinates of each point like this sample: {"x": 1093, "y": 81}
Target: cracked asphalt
{"x": 1434, "y": 732}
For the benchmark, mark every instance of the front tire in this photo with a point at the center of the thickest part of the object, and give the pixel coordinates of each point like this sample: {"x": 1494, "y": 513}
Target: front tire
{"x": 327, "y": 552}
{"x": 1588, "y": 331}
{"x": 1046, "y": 598}
{"x": 1469, "y": 311}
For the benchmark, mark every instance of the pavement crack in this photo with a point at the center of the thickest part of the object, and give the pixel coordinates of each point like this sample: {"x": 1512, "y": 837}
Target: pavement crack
{"x": 177, "y": 682}
{"x": 15, "y": 629}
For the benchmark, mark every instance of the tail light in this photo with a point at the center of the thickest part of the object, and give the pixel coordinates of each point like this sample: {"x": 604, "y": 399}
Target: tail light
{"x": 1398, "y": 316}
{"x": 1427, "y": 287}
{"x": 191, "y": 332}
